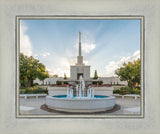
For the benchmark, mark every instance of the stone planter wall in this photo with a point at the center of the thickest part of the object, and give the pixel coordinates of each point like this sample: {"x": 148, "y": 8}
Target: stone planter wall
{"x": 57, "y": 91}
{"x": 108, "y": 91}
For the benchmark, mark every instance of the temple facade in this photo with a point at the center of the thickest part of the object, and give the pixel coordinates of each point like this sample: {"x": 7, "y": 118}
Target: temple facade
{"x": 80, "y": 69}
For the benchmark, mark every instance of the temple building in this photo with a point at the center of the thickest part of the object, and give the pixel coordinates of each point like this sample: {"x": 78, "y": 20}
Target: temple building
{"x": 80, "y": 69}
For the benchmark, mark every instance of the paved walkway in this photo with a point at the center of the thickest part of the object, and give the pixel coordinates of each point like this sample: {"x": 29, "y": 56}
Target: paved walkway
{"x": 32, "y": 106}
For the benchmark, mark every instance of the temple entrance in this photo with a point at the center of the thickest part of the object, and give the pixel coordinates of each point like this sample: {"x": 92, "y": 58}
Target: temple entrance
{"x": 78, "y": 75}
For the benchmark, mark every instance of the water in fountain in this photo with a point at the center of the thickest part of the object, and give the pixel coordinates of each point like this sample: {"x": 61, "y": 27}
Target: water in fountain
{"x": 69, "y": 92}
{"x": 80, "y": 91}
{"x": 90, "y": 93}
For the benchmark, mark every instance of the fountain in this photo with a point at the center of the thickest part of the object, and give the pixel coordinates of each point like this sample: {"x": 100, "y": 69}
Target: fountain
{"x": 81, "y": 102}
{"x": 80, "y": 93}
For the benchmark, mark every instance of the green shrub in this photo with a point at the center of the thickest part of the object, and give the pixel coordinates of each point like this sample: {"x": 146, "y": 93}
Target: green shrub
{"x": 46, "y": 91}
{"x": 65, "y": 82}
{"x": 26, "y": 91}
{"x": 22, "y": 91}
{"x": 94, "y": 82}
{"x": 33, "y": 91}
{"x": 100, "y": 82}
{"x": 124, "y": 90}
{"x": 35, "y": 84}
{"x": 58, "y": 83}
{"x": 137, "y": 91}
{"x": 22, "y": 87}
{"x": 116, "y": 91}
{"x": 38, "y": 91}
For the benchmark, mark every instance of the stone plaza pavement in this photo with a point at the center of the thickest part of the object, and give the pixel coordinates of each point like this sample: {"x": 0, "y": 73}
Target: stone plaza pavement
{"x": 32, "y": 106}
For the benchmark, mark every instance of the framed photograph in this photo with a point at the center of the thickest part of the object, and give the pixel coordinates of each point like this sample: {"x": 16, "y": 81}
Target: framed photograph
{"x": 79, "y": 67}
{"x": 98, "y": 73}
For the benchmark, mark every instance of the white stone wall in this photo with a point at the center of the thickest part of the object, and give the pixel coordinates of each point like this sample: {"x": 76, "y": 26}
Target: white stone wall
{"x": 108, "y": 91}
{"x": 47, "y": 81}
{"x": 86, "y": 72}
{"x": 73, "y": 72}
{"x": 80, "y": 70}
{"x": 113, "y": 80}
{"x": 38, "y": 81}
{"x": 106, "y": 80}
{"x": 53, "y": 93}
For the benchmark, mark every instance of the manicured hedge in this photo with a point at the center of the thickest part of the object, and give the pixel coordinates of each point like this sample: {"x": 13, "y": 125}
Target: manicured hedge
{"x": 126, "y": 90}
{"x": 34, "y": 91}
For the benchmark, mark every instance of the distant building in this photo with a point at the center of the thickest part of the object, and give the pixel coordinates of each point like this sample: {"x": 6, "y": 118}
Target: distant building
{"x": 112, "y": 80}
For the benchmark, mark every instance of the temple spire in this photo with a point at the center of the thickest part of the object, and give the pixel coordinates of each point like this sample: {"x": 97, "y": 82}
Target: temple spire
{"x": 80, "y": 57}
{"x": 79, "y": 43}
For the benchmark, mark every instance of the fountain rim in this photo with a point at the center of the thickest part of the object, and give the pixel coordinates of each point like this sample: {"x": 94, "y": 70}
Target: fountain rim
{"x": 81, "y": 99}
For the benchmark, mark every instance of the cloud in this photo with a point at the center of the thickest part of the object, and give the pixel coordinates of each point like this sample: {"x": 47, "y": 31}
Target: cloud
{"x": 25, "y": 42}
{"x": 87, "y": 42}
{"x": 35, "y": 55}
{"x": 61, "y": 65}
{"x": 85, "y": 62}
{"x": 112, "y": 65}
{"x": 49, "y": 70}
{"x": 59, "y": 68}
{"x": 44, "y": 55}
{"x": 70, "y": 53}
{"x": 87, "y": 47}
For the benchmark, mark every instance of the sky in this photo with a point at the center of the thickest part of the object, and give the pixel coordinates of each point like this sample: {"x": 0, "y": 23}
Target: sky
{"x": 106, "y": 44}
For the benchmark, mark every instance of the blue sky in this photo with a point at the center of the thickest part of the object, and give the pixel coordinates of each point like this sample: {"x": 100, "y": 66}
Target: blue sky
{"x": 106, "y": 44}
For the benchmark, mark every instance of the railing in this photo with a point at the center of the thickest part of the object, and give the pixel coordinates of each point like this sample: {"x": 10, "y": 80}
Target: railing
{"x": 127, "y": 95}
{"x": 32, "y": 95}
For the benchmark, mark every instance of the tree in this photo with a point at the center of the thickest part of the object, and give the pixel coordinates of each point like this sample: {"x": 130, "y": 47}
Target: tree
{"x": 130, "y": 72}
{"x": 55, "y": 75}
{"x": 95, "y": 75}
{"x": 30, "y": 69}
{"x": 65, "y": 77}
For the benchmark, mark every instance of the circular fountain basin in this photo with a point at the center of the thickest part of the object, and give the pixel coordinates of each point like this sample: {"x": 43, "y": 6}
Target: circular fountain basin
{"x": 80, "y": 104}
